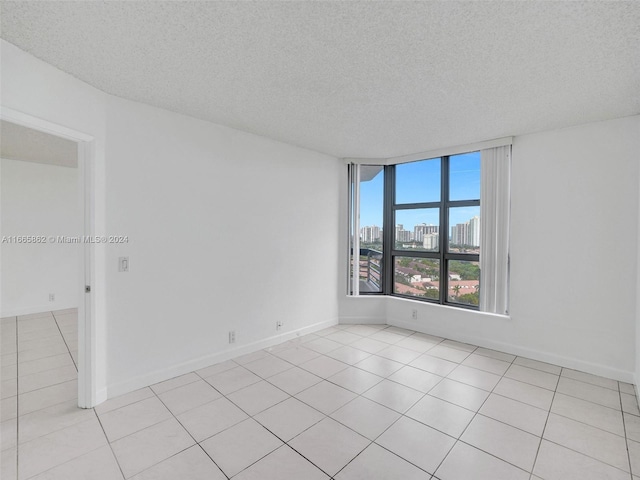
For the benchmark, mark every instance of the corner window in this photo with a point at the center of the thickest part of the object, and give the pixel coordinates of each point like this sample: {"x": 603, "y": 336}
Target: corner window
{"x": 436, "y": 218}
{"x": 417, "y": 229}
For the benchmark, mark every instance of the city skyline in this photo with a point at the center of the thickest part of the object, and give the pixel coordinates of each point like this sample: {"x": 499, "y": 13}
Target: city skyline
{"x": 419, "y": 181}
{"x": 463, "y": 233}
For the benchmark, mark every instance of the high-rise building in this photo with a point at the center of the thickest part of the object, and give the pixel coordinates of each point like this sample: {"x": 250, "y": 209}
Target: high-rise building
{"x": 467, "y": 233}
{"x": 422, "y": 229}
{"x": 430, "y": 241}
{"x": 459, "y": 234}
{"x": 474, "y": 231}
{"x": 370, "y": 234}
{"x": 402, "y": 235}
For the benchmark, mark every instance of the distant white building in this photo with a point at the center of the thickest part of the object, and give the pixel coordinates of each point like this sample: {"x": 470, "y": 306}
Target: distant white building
{"x": 474, "y": 232}
{"x": 430, "y": 241}
{"x": 422, "y": 229}
{"x": 371, "y": 234}
{"x": 467, "y": 233}
{"x": 402, "y": 235}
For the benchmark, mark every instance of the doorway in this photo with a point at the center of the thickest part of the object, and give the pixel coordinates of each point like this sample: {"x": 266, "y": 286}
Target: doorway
{"x": 18, "y": 124}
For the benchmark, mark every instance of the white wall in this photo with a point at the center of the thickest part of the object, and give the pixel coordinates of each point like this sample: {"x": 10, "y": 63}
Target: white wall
{"x": 38, "y": 200}
{"x": 574, "y": 255}
{"x": 228, "y": 231}
{"x": 574, "y": 237}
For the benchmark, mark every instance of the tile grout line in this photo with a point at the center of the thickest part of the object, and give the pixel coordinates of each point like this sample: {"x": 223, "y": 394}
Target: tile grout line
{"x": 249, "y": 416}
{"x": 535, "y": 460}
{"x": 583, "y": 423}
{"x": 108, "y": 442}
{"x": 477, "y": 412}
{"x": 401, "y": 415}
{"x": 371, "y": 442}
{"x": 187, "y": 430}
{"x": 18, "y": 396}
{"x": 71, "y": 459}
{"x": 424, "y": 394}
{"x": 358, "y": 395}
{"x": 18, "y": 388}
{"x": 329, "y": 415}
{"x": 65, "y": 341}
{"x": 17, "y": 404}
{"x": 624, "y": 426}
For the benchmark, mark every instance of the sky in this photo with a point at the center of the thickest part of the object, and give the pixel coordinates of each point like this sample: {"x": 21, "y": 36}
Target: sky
{"x": 420, "y": 182}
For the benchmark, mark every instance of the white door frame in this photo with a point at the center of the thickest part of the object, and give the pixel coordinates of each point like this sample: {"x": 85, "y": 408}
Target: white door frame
{"x": 87, "y": 368}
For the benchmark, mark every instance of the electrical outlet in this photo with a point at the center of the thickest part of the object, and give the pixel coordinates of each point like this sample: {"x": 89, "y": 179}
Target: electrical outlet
{"x": 52, "y": 297}
{"x": 232, "y": 336}
{"x": 278, "y": 325}
{"x": 414, "y": 314}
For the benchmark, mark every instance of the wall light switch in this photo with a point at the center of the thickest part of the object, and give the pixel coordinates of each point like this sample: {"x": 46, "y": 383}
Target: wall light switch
{"x": 123, "y": 264}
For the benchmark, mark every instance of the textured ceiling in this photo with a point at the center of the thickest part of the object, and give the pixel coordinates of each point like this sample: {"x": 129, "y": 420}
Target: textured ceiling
{"x": 352, "y": 79}
{"x": 28, "y": 145}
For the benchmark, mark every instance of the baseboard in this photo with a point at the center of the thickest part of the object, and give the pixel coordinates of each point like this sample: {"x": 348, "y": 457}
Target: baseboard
{"x": 362, "y": 321}
{"x": 49, "y": 307}
{"x": 567, "y": 362}
{"x": 101, "y": 396}
{"x": 161, "y": 375}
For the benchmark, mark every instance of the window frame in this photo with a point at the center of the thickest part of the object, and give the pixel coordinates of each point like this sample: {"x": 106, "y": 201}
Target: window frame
{"x": 443, "y": 255}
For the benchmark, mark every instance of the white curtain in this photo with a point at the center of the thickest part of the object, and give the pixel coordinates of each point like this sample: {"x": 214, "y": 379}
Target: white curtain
{"x": 495, "y": 171}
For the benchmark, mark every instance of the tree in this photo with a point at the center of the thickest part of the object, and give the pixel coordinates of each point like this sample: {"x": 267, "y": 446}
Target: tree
{"x": 470, "y": 298}
{"x": 431, "y": 293}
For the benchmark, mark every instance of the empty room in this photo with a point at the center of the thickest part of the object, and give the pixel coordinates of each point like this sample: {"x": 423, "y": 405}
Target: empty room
{"x": 272, "y": 240}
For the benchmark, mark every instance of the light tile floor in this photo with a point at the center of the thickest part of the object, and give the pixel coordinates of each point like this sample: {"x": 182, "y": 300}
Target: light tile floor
{"x": 349, "y": 402}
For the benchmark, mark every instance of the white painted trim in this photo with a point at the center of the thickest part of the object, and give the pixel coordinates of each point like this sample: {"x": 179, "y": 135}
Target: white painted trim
{"x": 593, "y": 368}
{"x": 87, "y": 394}
{"x": 87, "y": 340}
{"x": 20, "y": 118}
{"x": 470, "y": 147}
{"x": 101, "y": 396}
{"x": 355, "y": 320}
{"x": 211, "y": 359}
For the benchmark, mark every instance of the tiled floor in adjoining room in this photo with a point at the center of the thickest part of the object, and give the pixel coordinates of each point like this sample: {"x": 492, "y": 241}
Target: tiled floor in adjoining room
{"x": 350, "y": 402}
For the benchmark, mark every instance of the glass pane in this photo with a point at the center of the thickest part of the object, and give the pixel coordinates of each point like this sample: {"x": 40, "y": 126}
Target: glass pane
{"x": 464, "y": 176}
{"x": 418, "y": 277}
{"x": 370, "y": 271}
{"x": 417, "y": 229}
{"x": 464, "y": 282}
{"x": 464, "y": 234}
{"x": 371, "y": 214}
{"x": 418, "y": 182}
